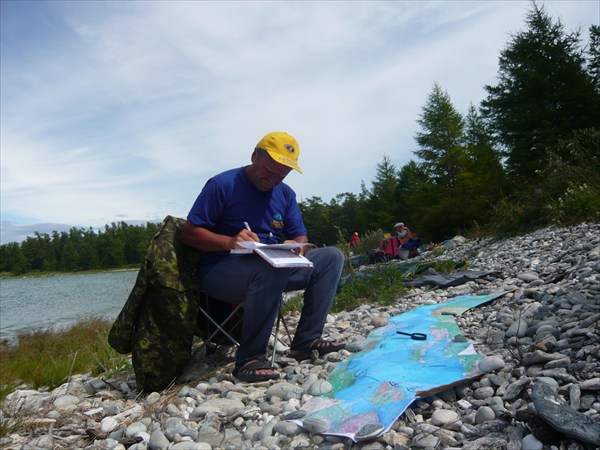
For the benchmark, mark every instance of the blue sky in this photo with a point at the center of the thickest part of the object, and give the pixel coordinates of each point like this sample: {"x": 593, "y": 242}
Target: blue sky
{"x": 122, "y": 110}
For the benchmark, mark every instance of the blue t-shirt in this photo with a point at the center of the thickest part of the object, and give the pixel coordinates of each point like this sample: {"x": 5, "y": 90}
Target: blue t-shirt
{"x": 230, "y": 199}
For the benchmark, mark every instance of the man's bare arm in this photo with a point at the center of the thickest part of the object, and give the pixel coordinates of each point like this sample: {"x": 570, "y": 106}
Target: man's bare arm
{"x": 205, "y": 240}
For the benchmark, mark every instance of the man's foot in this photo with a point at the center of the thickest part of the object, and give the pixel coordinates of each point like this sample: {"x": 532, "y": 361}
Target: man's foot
{"x": 255, "y": 370}
{"x": 321, "y": 346}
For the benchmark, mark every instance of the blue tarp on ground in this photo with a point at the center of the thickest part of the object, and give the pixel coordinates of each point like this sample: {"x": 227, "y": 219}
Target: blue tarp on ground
{"x": 372, "y": 388}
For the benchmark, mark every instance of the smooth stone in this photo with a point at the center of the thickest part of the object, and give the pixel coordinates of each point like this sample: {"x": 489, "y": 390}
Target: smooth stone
{"x": 441, "y": 417}
{"x": 97, "y": 385}
{"x": 530, "y": 442}
{"x": 518, "y": 328}
{"x": 53, "y": 414}
{"x": 109, "y": 424}
{"x": 66, "y": 401}
{"x": 355, "y": 347}
{"x": 528, "y": 276}
{"x": 225, "y": 406}
{"x": 490, "y": 364}
{"x": 540, "y": 357}
{"x": 549, "y": 381}
{"x": 483, "y": 392}
{"x": 286, "y": 428}
{"x": 575, "y": 396}
{"x": 514, "y": 389}
{"x": 285, "y": 391}
{"x": 379, "y": 321}
{"x": 545, "y": 328}
{"x": 320, "y": 387}
{"x": 368, "y": 431}
{"x": 153, "y": 397}
{"x": 314, "y": 425}
{"x": 210, "y": 435}
{"x": 43, "y": 442}
{"x": 233, "y": 438}
{"x": 134, "y": 429}
{"x": 487, "y": 443}
{"x": 144, "y": 435}
{"x": 556, "y": 363}
{"x": 593, "y": 384}
{"x": 424, "y": 441}
{"x": 299, "y": 414}
{"x": 190, "y": 445}
{"x": 158, "y": 441}
{"x": 484, "y": 414}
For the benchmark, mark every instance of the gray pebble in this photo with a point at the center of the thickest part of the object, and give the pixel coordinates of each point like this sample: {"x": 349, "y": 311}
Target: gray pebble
{"x": 484, "y": 414}
{"x": 158, "y": 441}
{"x": 490, "y": 364}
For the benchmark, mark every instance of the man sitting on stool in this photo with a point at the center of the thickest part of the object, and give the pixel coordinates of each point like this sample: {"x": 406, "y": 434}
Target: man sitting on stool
{"x": 256, "y": 195}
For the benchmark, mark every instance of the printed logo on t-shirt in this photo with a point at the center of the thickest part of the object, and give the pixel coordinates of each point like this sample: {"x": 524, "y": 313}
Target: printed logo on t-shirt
{"x": 277, "y": 222}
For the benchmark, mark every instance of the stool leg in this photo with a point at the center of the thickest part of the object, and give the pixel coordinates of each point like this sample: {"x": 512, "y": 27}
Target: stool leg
{"x": 275, "y": 339}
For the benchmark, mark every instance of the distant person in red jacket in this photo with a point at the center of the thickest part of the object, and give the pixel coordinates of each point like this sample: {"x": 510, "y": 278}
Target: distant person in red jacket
{"x": 354, "y": 241}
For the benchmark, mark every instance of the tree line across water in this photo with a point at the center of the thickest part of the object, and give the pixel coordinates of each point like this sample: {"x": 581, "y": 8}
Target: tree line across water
{"x": 526, "y": 157}
{"x": 117, "y": 246}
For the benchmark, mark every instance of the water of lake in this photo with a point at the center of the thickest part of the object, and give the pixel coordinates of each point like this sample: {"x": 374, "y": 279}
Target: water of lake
{"x": 59, "y": 301}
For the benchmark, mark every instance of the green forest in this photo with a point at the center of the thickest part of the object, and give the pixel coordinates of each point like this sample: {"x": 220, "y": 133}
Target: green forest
{"x": 528, "y": 156}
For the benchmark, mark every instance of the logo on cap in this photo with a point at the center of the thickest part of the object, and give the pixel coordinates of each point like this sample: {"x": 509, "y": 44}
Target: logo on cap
{"x": 290, "y": 148}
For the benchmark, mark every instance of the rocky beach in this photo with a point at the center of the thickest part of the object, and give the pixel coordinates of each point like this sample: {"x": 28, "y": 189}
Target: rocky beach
{"x": 541, "y": 390}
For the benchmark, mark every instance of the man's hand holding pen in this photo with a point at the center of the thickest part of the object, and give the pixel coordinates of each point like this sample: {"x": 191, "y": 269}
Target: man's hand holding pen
{"x": 245, "y": 235}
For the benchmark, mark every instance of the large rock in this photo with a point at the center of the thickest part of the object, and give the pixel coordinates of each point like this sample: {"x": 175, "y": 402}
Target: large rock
{"x": 555, "y": 412}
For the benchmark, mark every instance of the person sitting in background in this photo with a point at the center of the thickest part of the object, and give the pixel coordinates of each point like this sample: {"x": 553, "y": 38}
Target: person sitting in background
{"x": 406, "y": 240}
{"x": 404, "y": 234}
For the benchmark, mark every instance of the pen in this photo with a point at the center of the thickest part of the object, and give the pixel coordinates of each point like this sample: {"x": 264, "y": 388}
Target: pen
{"x": 247, "y": 226}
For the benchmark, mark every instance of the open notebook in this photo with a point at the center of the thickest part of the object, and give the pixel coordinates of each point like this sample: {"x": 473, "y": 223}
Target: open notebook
{"x": 278, "y": 255}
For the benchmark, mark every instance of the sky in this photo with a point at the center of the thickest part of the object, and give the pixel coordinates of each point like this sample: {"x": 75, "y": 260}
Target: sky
{"x": 122, "y": 110}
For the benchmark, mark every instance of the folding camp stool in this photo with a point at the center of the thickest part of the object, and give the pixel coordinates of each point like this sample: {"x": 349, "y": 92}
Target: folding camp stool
{"x": 221, "y": 327}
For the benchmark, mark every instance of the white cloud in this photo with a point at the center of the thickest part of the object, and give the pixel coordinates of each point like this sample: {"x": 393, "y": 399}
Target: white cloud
{"x": 115, "y": 110}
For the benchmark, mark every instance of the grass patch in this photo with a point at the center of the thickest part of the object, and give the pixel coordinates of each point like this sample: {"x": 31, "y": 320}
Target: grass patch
{"x": 382, "y": 285}
{"x": 11, "y": 425}
{"x": 438, "y": 251}
{"x": 46, "y": 359}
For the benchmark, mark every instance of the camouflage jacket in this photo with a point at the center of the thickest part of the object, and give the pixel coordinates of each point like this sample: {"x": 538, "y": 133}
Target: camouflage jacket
{"x": 159, "y": 319}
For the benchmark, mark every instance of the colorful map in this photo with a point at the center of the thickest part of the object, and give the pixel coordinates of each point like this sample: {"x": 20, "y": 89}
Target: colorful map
{"x": 372, "y": 388}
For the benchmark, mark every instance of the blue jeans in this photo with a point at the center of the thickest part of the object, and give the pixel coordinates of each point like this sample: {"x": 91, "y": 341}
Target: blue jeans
{"x": 250, "y": 280}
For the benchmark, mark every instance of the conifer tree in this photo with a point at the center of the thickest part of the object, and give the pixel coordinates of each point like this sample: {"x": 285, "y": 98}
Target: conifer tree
{"x": 544, "y": 93}
{"x": 594, "y": 56}
{"x": 440, "y": 141}
{"x": 383, "y": 196}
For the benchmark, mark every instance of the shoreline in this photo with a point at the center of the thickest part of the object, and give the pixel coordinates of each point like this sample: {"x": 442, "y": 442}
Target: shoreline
{"x": 4, "y": 276}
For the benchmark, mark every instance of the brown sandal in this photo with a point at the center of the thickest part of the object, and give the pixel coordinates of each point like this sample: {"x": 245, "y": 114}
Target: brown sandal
{"x": 320, "y": 345}
{"x": 249, "y": 372}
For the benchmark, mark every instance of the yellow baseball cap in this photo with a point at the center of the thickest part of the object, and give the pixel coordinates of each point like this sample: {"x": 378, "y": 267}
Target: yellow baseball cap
{"x": 282, "y": 147}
